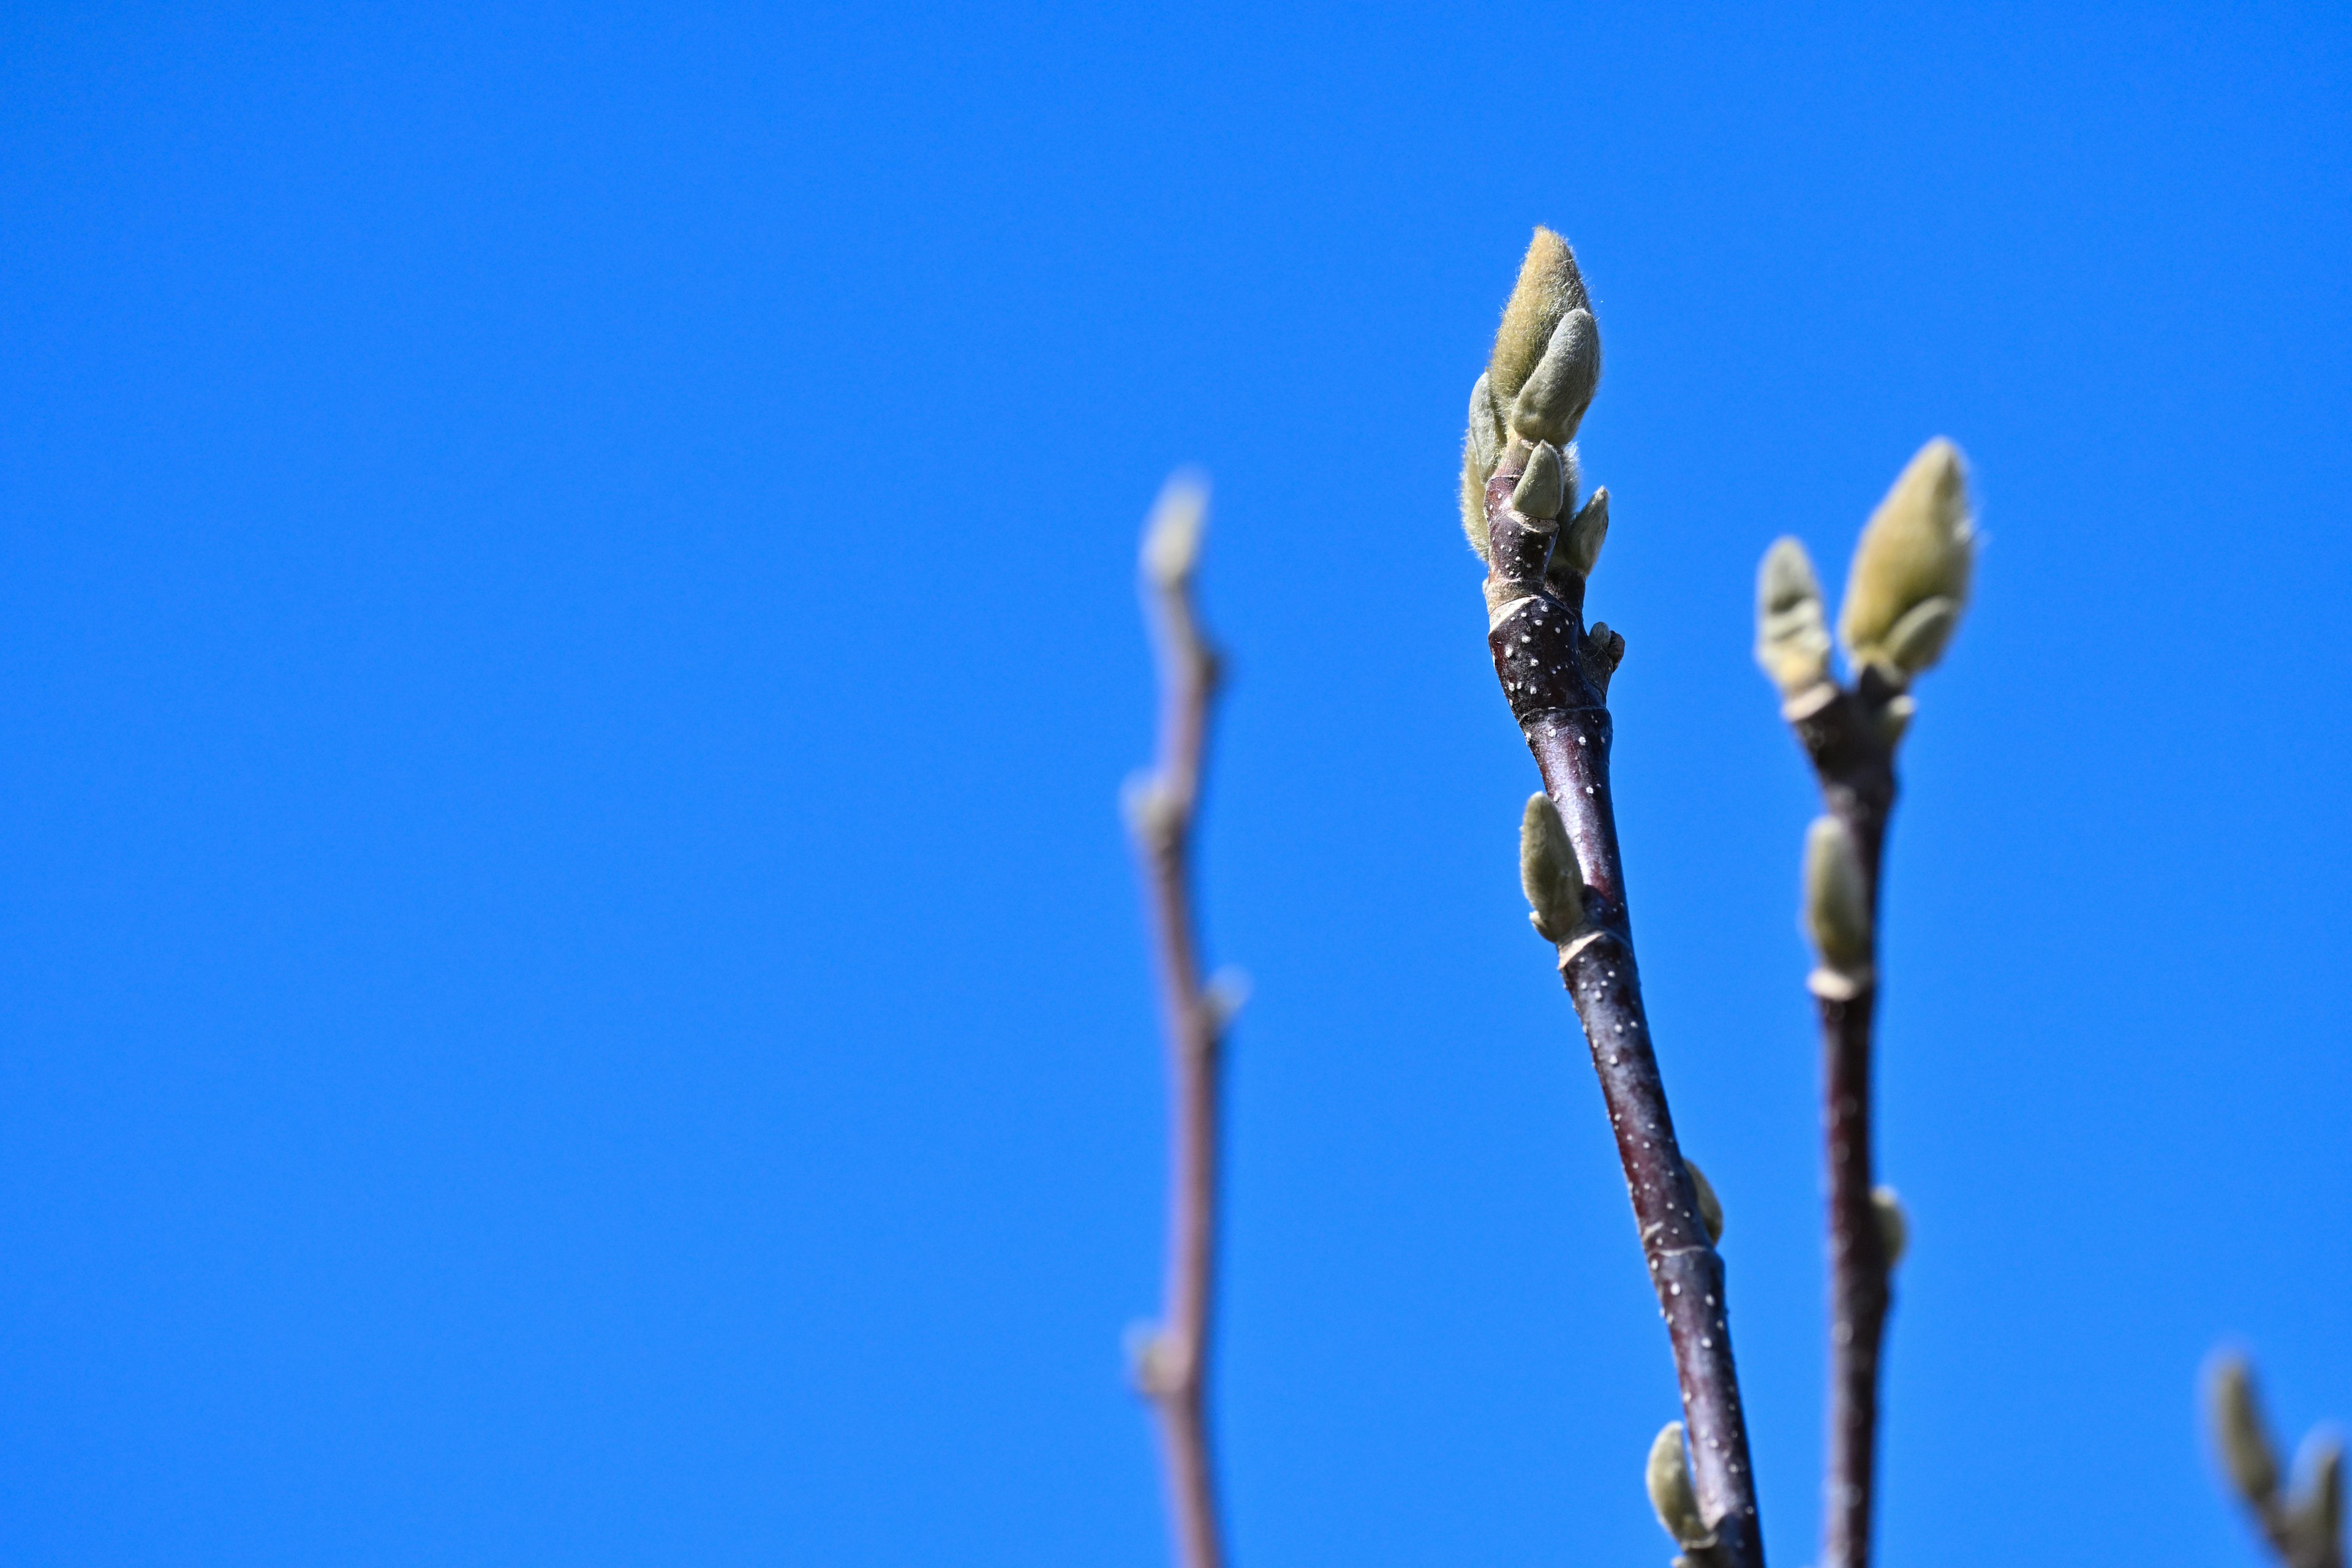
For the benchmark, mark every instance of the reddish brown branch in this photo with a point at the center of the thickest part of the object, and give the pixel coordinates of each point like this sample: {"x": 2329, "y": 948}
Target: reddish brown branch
{"x": 1847, "y": 736}
{"x": 1555, "y": 676}
{"x": 1172, "y": 1363}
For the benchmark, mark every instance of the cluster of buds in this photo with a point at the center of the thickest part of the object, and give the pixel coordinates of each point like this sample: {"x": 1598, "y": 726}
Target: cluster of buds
{"x": 2305, "y": 1527}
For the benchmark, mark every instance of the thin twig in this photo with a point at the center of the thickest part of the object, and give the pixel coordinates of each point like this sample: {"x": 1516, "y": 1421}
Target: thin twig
{"x": 1555, "y": 676}
{"x": 1172, "y": 1364}
{"x": 1846, "y": 735}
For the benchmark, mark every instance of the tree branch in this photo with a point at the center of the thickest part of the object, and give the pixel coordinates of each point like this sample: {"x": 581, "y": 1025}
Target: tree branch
{"x": 1170, "y": 1364}
{"x": 1849, "y": 736}
{"x": 1555, "y": 675}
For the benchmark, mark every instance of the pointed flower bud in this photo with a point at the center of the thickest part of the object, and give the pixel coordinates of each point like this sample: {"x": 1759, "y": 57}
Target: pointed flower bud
{"x": 1837, "y": 901}
{"x": 1549, "y": 287}
{"x": 1792, "y": 639}
{"x": 1710, "y": 1207}
{"x": 1893, "y": 1225}
{"x": 1542, "y": 489}
{"x": 1670, "y": 1498}
{"x": 1551, "y": 404}
{"x": 2238, "y": 1434}
{"x": 1548, "y": 872}
{"x": 1579, "y": 550}
{"x": 1919, "y": 547}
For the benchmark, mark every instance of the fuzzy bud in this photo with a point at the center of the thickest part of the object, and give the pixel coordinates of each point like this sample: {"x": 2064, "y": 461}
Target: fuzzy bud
{"x": 1541, "y": 490}
{"x": 2317, "y": 1515}
{"x": 1549, "y": 287}
{"x": 1792, "y": 639}
{"x": 1893, "y": 1225}
{"x": 2238, "y": 1434}
{"x": 1551, "y": 404}
{"x": 1669, "y": 1480}
{"x": 1548, "y": 874}
{"x": 1482, "y": 448}
{"x": 1710, "y": 1207}
{"x": 1919, "y": 547}
{"x": 1837, "y": 900}
{"x": 1579, "y": 550}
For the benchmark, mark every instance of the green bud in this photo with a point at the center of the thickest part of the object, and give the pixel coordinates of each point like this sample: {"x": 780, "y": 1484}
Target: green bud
{"x": 1551, "y": 404}
{"x": 1919, "y": 545}
{"x": 1710, "y": 1207}
{"x": 1541, "y": 488}
{"x": 1548, "y": 873}
{"x": 2238, "y": 1434}
{"x": 1579, "y": 550}
{"x": 1837, "y": 901}
{"x": 1670, "y": 1498}
{"x": 1482, "y": 448}
{"x": 1549, "y": 287}
{"x": 1792, "y": 639}
{"x": 1893, "y": 1225}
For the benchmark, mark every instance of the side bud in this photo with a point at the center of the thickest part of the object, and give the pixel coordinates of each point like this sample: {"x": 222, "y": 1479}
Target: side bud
{"x": 1792, "y": 637}
{"x": 2317, "y": 1515}
{"x": 1670, "y": 1498}
{"x": 1911, "y": 572}
{"x": 1837, "y": 900}
{"x": 1551, "y": 404}
{"x": 1710, "y": 1207}
{"x": 1541, "y": 491}
{"x": 1548, "y": 873}
{"x": 1482, "y": 448}
{"x": 1893, "y": 1225}
{"x": 2239, "y": 1436}
{"x": 1579, "y": 550}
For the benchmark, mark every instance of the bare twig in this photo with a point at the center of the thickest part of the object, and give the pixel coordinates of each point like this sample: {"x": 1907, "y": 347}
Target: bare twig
{"x": 1172, "y": 1361}
{"x": 1555, "y": 676}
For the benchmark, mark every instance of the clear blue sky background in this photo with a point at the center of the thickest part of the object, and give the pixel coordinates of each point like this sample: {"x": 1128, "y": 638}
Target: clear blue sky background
{"x": 572, "y": 984}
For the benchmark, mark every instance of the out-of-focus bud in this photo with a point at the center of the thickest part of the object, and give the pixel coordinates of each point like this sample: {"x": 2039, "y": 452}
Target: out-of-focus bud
{"x": 1551, "y": 404}
{"x": 1670, "y": 1498}
{"x": 1837, "y": 901}
{"x": 1893, "y": 1225}
{"x": 1542, "y": 487}
{"x": 1710, "y": 1207}
{"x": 1580, "y": 542}
{"x": 1792, "y": 639}
{"x": 2239, "y": 1435}
{"x": 1548, "y": 873}
{"x": 1171, "y": 539}
{"x": 1919, "y": 547}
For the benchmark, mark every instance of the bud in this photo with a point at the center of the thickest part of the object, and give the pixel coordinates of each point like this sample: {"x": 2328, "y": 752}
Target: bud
{"x": 2238, "y": 1431}
{"x": 1710, "y": 1207}
{"x": 1549, "y": 287}
{"x": 1671, "y": 1496}
{"x": 1482, "y": 448}
{"x": 1560, "y": 389}
{"x": 1541, "y": 490}
{"x": 1579, "y": 549}
{"x": 1548, "y": 873}
{"x": 1792, "y": 639}
{"x": 1893, "y": 1225}
{"x": 1918, "y": 546}
{"x": 1171, "y": 539}
{"x": 1837, "y": 901}
{"x": 2317, "y": 1515}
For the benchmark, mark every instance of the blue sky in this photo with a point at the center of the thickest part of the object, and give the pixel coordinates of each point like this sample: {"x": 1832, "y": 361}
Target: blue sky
{"x": 571, "y": 988}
